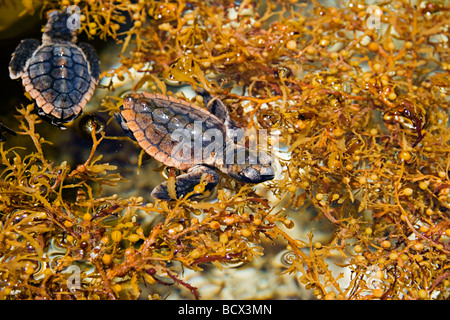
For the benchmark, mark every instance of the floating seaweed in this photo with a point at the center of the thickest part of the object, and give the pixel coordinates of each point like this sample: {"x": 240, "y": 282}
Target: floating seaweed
{"x": 357, "y": 97}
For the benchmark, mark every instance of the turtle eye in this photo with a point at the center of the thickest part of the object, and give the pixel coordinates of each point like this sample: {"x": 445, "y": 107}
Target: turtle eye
{"x": 256, "y": 175}
{"x": 250, "y": 174}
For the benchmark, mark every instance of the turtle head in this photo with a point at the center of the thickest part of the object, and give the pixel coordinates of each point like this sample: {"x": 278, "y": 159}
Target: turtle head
{"x": 60, "y": 27}
{"x": 250, "y": 166}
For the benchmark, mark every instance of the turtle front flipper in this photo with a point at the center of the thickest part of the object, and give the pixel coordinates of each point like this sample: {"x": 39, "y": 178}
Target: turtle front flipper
{"x": 92, "y": 59}
{"x": 216, "y": 107}
{"x": 186, "y": 183}
{"x": 20, "y": 57}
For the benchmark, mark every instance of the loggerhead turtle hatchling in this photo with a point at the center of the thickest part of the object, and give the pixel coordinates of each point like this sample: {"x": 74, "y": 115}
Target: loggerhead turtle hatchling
{"x": 59, "y": 74}
{"x": 168, "y": 129}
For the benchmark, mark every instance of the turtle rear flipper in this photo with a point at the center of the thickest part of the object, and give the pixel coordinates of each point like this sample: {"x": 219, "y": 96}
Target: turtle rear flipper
{"x": 92, "y": 59}
{"x": 186, "y": 183}
{"x": 123, "y": 123}
{"x": 5, "y": 129}
{"x": 20, "y": 57}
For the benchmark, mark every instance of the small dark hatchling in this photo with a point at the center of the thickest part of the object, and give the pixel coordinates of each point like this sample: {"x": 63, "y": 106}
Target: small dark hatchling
{"x": 59, "y": 74}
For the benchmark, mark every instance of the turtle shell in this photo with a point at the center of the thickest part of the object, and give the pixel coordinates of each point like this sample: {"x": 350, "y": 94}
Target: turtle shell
{"x": 59, "y": 79}
{"x": 165, "y": 127}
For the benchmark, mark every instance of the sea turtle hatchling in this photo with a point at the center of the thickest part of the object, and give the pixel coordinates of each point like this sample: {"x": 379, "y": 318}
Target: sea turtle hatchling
{"x": 59, "y": 74}
{"x": 168, "y": 129}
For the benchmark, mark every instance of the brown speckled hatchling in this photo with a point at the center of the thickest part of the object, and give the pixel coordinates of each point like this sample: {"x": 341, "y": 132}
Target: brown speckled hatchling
{"x": 152, "y": 120}
{"x": 59, "y": 74}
